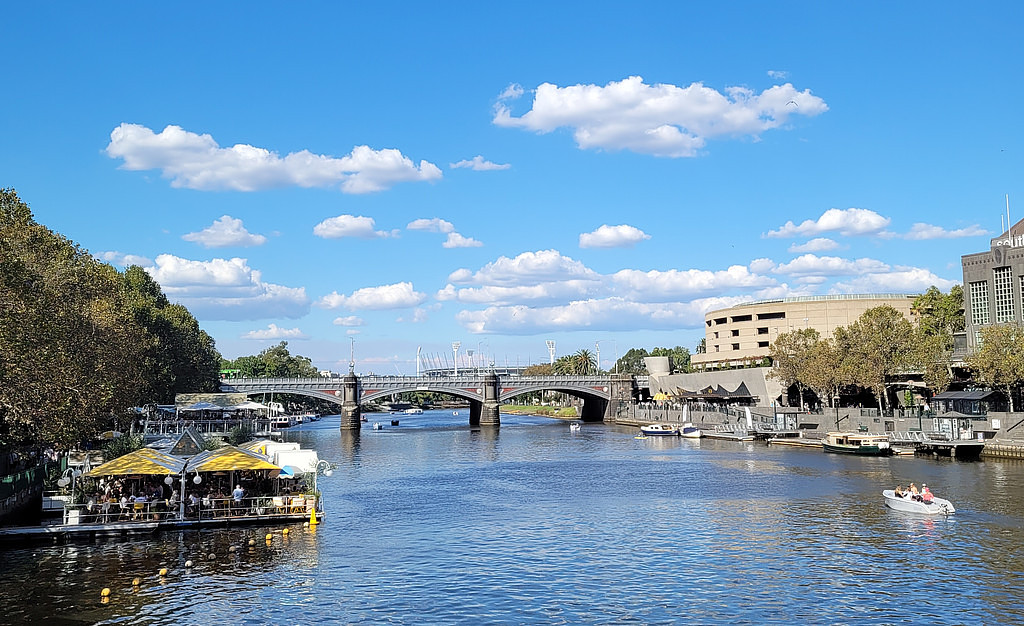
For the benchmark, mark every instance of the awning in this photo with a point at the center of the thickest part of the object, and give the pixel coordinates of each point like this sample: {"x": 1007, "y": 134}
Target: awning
{"x": 203, "y": 406}
{"x": 287, "y": 472}
{"x": 977, "y": 394}
{"x": 145, "y": 461}
{"x": 248, "y": 405}
{"x": 229, "y": 458}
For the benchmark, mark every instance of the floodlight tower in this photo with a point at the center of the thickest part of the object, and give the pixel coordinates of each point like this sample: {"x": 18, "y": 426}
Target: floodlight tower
{"x": 551, "y": 350}
{"x": 455, "y": 352}
{"x": 418, "y": 350}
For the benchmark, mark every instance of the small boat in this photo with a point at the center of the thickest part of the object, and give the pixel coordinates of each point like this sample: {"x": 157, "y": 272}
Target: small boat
{"x": 857, "y": 443}
{"x": 938, "y": 506}
{"x": 574, "y": 427}
{"x": 414, "y": 411}
{"x": 660, "y": 429}
{"x": 394, "y": 422}
{"x": 691, "y": 431}
{"x": 378, "y": 426}
{"x": 281, "y": 421}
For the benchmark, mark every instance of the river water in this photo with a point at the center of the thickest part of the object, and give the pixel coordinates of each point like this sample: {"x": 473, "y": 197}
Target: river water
{"x": 436, "y": 522}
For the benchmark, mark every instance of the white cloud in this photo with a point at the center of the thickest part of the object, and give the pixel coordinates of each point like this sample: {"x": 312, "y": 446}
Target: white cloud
{"x": 433, "y": 225}
{"x": 511, "y": 92}
{"x": 273, "y": 331}
{"x": 761, "y": 266}
{"x": 605, "y": 314}
{"x": 225, "y": 232}
{"x": 846, "y": 222}
{"x": 455, "y": 240}
{"x": 900, "y": 280}
{"x": 196, "y": 161}
{"x": 656, "y": 286}
{"x": 419, "y": 315}
{"x": 777, "y": 74}
{"x": 818, "y": 244}
{"x": 813, "y": 265}
{"x": 123, "y": 260}
{"x": 348, "y": 226}
{"x": 527, "y": 269}
{"x": 384, "y": 297}
{"x": 225, "y": 289}
{"x": 921, "y": 230}
{"x": 479, "y": 164}
{"x": 621, "y": 236}
{"x": 661, "y": 120}
{"x": 350, "y": 320}
{"x": 352, "y": 331}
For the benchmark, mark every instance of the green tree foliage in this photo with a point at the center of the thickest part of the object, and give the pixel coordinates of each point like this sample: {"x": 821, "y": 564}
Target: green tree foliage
{"x": 632, "y": 362}
{"x": 940, "y": 314}
{"x": 791, "y": 354}
{"x": 541, "y": 369}
{"x": 74, "y": 350}
{"x": 880, "y": 344}
{"x": 679, "y": 358}
{"x": 273, "y": 362}
{"x": 999, "y": 362}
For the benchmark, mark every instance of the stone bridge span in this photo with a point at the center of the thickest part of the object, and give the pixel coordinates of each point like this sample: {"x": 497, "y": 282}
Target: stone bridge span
{"x": 485, "y": 392}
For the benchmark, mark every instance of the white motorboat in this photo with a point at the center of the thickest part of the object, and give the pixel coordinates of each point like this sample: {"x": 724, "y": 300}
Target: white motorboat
{"x": 691, "y": 431}
{"x": 414, "y": 411}
{"x": 938, "y": 506}
{"x": 378, "y": 426}
{"x": 574, "y": 427}
{"x": 660, "y": 429}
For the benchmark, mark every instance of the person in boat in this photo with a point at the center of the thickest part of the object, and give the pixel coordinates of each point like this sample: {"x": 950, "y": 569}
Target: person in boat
{"x": 926, "y": 494}
{"x": 914, "y": 493}
{"x": 900, "y": 492}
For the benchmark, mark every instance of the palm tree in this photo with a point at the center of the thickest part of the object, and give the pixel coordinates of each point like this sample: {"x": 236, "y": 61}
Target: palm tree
{"x": 584, "y": 362}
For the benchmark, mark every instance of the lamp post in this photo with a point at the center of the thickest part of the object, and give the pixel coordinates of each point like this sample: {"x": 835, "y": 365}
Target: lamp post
{"x": 68, "y": 478}
{"x": 455, "y": 351}
{"x": 327, "y": 469}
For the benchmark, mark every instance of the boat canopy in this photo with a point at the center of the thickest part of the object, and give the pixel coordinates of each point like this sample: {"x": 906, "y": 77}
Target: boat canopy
{"x": 229, "y": 458}
{"x": 144, "y": 461}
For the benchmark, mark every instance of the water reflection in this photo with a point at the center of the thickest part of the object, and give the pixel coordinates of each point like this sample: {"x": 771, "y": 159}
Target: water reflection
{"x": 435, "y": 521}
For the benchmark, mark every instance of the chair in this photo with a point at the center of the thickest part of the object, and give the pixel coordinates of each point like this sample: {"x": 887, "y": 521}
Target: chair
{"x": 297, "y": 503}
{"x": 138, "y": 510}
{"x": 126, "y": 511}
{"x": 279, "y": 505}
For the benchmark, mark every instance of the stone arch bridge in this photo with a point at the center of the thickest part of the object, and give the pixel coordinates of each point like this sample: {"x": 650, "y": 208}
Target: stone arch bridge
{"x": 485, "y": 392}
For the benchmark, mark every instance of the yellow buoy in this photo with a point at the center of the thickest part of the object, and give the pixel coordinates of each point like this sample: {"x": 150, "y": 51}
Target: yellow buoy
{"x": 105, "y": 592}
{"x": 252, "y": 542}
{"x": 269, "y": 536}
{"x": 136, "y": 582}
{"x": 305, "y": 524}
{"x": 312, "y": 517}
{"x": 163, "y": 571}
{"x": 284, "y": 532}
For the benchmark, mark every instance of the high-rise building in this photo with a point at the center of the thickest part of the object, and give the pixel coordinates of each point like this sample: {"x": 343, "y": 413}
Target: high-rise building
{"x": 994, "y": 284}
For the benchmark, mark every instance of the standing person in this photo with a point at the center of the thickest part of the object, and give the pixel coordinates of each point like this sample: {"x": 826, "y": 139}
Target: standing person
{"x": 237, "y": 496}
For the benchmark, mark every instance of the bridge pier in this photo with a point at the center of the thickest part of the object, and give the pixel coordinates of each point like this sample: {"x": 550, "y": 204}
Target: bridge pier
{"x": 350, "y": 403}
{"x": 622, "y": 391}
{"x": 490, "y": 412}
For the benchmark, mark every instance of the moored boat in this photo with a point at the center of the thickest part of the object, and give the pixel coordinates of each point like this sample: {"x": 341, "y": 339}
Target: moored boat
{"x": 938, "y": 506}
{"x": 691, "y": 431}
{"x": 414, "y": 411}
{"x": 660, "y": 429}
{"x": 857, "y": 443}
{"x": 574, "y": 427}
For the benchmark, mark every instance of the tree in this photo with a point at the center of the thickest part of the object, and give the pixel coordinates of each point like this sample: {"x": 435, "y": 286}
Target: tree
{"x": 273, "y": 362}
{"x": 790, "y": 354}
{"x": 999, "y": 362}
{"x": 702, "y": 346}
{"x": 632, "y": 362}
{"x": 880, "y": 344}
{"x": 542, "y": 369}
{"x": 679, "y": 358}
{"x": 827, "y": 369}
{"x": 940, "y": 314}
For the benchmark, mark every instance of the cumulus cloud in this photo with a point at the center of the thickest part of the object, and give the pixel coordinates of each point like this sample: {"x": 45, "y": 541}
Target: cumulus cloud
{"x": 660, "y": 120}
{"x": 920, "y": 231}
{"x": 899, "y": 280}
{"x": 621, "y": 236}
{"x": 761, "y": 266}
{"x": 778, "y": 74}
{"x": 657, "y": 286}
{"x": 846, "y": 222}
{"x": 455, "y": 240}
{"x": 348, "y": 226}
{"x": 225, "y": 289}
{"x": 433, "y": 225}
{"x": 123, "y": 260}
{"x": 273, "y": 331}
{"x": 813, "y": 265}
{"x": 384, "y": 297}
{"x": 195, "y": 161}
{"x": 350, "y": 320}
{"x": 225, "y": 232}
{"x": 479, "y": 164}
{"x": 818, "y": 244}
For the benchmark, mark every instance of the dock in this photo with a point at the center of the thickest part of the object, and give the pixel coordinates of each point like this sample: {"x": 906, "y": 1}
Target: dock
{"x": 965, "y": 450}
{"x": 795, "y": 442}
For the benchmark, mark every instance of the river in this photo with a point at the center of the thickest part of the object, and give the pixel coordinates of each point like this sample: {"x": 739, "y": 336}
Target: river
{"x": 433, "y": 521}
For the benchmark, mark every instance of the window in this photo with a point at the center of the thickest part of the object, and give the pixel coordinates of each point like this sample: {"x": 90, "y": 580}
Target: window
{"x": 735, "y": 346}
{"x": 781, "y": 315}
{"x": 721, "y": 320}
{"x": 764, "y": 331}
{"x": 742, "y": 318}
{"x": 1003, "y": 288}
{"x": 716, "y": 334}
{"x": 736, "y": 332}
{"x": 762, "y": 344}
{"x": 979, "y": 303}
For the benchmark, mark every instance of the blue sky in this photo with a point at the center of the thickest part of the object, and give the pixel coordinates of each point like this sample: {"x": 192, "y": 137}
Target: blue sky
{"x": 406, "y": 175}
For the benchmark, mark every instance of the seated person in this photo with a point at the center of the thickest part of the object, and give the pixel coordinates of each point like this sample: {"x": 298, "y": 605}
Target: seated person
{"x": 926, "y": 494}
{"x": 899, "y": 492}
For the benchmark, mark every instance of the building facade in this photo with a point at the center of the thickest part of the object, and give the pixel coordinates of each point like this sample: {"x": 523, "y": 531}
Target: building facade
{"x": 994, "y": 284}
{"x": 743, "y": 335}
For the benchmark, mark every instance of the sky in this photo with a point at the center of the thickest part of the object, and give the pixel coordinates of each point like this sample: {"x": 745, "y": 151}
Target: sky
{"x": 374, "y": 179}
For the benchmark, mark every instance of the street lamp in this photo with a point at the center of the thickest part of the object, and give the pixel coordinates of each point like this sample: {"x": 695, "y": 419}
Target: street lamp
{"x": 455, "y": 351}
{"x": 327, "y": 469}
{"x": 68, "y": 478}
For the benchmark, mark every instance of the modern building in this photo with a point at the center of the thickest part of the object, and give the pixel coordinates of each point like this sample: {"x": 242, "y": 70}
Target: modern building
{"x": 742, "y": 335}
{"x": 994, "y": 284}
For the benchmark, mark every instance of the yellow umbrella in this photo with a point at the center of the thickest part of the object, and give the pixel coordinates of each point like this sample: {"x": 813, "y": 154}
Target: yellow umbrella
{"x": 229, "y": 458}
{"x": 660, "y": 396}
{"x": 145, "y": 461}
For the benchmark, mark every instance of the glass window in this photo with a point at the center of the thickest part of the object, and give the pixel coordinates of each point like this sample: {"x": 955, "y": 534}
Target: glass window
{"x": 979, "y": 303}
{"x": 1003, "y": 288}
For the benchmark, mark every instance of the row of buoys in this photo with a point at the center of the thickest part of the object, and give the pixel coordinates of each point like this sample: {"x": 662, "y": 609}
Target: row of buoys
{"x": 163, "y": 571}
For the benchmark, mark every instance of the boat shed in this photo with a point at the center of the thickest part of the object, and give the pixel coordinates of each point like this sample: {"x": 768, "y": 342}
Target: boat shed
{"x": 974, "y": 402}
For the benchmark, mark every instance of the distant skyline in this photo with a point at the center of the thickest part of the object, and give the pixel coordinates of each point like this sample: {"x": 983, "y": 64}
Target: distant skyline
{"x": 402, "y": 175}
